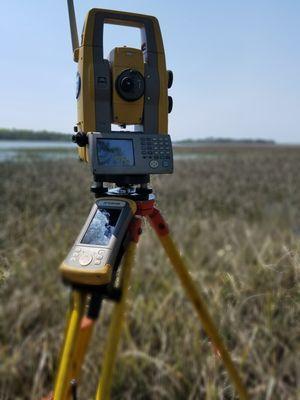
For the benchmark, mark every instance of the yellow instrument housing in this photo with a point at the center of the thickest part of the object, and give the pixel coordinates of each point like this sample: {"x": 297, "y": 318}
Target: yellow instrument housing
{"x": 98, "y": 103}
{"x": 124, "y": 112}
{"x": 86, "y": 276}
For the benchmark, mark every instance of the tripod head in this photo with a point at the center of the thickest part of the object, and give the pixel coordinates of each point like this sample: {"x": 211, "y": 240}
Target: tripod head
{"x": 130, "y": 87}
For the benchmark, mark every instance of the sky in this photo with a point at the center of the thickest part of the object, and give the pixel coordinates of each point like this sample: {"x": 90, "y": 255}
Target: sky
{"x": 236, "y": 65}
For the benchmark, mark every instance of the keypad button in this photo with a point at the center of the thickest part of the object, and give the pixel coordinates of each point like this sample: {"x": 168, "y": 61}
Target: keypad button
{"x": 85, "y": 259}
{"x": 154, "y": 164}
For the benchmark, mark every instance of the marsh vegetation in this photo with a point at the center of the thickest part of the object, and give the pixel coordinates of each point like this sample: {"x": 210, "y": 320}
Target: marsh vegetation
{"x": 236, "y": 217}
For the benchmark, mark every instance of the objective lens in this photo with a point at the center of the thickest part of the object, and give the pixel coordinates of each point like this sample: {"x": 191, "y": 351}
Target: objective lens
{"x": 127, "y": 85}
{"x": 130, "y": 85}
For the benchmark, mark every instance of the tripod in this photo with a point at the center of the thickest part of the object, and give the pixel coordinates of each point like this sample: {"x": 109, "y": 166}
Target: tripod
{"x": 86, "y": 303}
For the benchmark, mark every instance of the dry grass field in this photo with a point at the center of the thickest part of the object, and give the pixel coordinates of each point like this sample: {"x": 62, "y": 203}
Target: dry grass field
{"x": 235, "y": 216}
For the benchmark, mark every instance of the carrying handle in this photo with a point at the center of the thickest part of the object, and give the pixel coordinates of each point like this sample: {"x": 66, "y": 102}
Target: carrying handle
{"x": 150, "y": 31}
{"x": 149, "y": 26}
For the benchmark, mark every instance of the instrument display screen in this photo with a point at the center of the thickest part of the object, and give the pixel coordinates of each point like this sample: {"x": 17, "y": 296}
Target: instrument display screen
{"x": 115, "y": 152}
{"x": 101, "y": 227}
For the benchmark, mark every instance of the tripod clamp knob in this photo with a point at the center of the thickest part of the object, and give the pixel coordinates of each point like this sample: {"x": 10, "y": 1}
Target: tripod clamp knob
{"x": 80, "y": 139}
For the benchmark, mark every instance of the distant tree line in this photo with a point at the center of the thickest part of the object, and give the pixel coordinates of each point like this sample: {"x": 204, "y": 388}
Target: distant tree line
{"x": 24, "y": 134}
{"x": 212, "y": 140}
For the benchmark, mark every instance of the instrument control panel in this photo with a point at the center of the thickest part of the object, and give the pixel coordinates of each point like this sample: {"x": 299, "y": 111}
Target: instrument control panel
{"x": 130, "y": 153}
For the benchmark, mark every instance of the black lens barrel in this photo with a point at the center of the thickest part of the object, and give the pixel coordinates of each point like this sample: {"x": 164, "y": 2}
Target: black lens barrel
{"x": 130, "y": 85}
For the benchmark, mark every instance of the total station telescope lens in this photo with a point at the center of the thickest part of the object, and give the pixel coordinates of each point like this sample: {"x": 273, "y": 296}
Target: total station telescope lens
{"x": 127, "y": 84}
{"x": 130, "y": 85}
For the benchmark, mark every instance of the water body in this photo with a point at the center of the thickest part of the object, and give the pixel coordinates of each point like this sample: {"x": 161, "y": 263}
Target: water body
{"x": 33, "y": 144}
{"x": 22, "y": 150}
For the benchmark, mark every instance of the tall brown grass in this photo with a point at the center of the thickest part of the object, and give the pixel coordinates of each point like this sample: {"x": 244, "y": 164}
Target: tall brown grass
{"x": 236, "y": 217}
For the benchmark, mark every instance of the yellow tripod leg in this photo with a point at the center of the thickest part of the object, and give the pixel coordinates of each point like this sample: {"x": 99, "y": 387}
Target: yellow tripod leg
{"x": 161, "y": 229}
{"x": 104, "y": 386}
{"x": 83, "y": 340}
{"x": 62, "y": 388}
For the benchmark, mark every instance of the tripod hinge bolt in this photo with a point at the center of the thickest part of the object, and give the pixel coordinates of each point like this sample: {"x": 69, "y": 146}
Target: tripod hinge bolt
{"x": 158, "y": 223}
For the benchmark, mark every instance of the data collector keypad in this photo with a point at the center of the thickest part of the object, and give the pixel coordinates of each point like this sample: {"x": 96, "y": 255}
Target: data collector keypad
{"x": 157, "y": 150}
